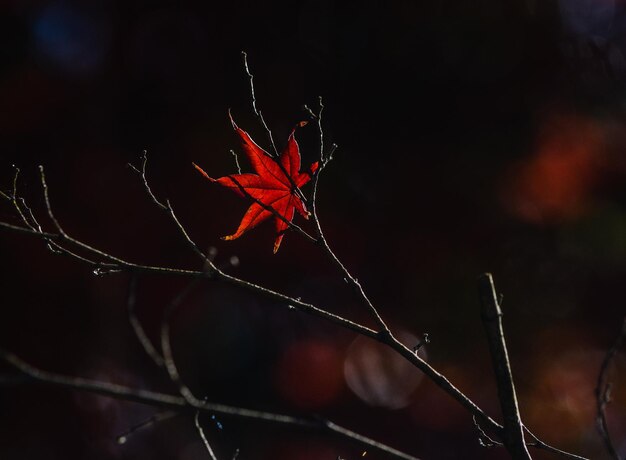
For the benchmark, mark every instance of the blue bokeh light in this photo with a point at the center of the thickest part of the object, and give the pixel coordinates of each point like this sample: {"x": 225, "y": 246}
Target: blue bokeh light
{"x": 70, "y": 40}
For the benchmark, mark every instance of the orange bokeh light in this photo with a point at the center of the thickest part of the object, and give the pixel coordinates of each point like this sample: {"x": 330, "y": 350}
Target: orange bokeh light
{"x": 555, "y": 182}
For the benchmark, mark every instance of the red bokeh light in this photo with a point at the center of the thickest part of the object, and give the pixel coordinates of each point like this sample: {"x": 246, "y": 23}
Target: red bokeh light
{"x": 308, "y": 374}
{"x": 555, "y": 182}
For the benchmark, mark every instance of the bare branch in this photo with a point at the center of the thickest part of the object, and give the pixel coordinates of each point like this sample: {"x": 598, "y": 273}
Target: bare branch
{"x": 179, "y": 404}
{"x": 603, "y": 393}
{"x": 513, "y": 434}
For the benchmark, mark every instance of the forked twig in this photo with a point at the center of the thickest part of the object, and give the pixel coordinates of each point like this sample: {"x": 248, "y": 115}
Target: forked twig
{"x": 142, "y": 172}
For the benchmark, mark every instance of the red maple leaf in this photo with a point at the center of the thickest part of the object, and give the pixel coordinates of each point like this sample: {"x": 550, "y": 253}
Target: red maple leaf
{"x": 272, "y": 185}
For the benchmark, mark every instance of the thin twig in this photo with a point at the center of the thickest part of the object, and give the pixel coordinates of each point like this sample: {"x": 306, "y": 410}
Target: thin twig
{"x": 167, "y": 207}
{"x": 180, "y": 404}
{"x": 324, "y": 243}
{"x": 483, "y": 438}
{"x": 142, "y": 337}
{"x": 196, "y": 421}
{"x": 234, "y": 154}
{"x": 540, "y": 445}
{"x": 256, "y": 111}
{"x": 259, "y": 115}
{"x": 513, "y": 433}
{"x": 603, "y": 393}
{"x": 28, "y": 218}
{"x": 144, "y": 179}
{"x": 156, "y": 418}
{"x": 168, "y": 357}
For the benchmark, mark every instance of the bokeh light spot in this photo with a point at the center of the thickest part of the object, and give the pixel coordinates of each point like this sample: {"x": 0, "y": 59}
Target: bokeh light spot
{"x": 308, "y": 374}
{"x": 70, "y": 40}
{"x": 555, "y": 183}
{"x": 379, "y": 376}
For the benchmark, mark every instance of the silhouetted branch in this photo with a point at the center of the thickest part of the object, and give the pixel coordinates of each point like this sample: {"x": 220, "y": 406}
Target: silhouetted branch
{"x": 513, "y": 433}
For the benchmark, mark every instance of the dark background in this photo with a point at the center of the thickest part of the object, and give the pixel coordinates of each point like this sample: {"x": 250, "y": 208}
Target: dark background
{"x": 473, "y": 136}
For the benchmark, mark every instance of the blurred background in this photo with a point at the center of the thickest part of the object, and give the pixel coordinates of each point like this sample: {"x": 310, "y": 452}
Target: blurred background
{"x": 473, "y": 136}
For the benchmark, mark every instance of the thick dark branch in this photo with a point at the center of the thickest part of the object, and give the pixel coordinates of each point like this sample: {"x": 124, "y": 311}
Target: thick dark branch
{"x": 513, "y": 433}
{"x": 180, "y": 404}
{"x": 603, "y": 392}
